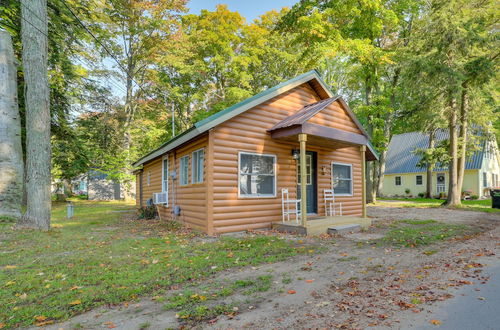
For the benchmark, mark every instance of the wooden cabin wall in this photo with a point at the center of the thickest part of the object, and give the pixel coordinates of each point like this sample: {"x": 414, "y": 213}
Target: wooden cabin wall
{"x": 248, "y": 132}
{"x": 336, "y": 117}
{"x": 191, "y": 198}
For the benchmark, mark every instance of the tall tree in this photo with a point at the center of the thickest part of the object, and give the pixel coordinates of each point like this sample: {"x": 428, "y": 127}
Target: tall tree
{"x": 34, "y": 40}
{"x": 11, "y": 154}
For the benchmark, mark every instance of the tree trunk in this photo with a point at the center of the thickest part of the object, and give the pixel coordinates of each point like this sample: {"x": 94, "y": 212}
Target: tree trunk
{"x": 453, "y": 193}
{"x": 464, "y": 118}
{"x": 34, "y": 40}
{"x": 430, "y": 166}
{"x": 11, "y": 153}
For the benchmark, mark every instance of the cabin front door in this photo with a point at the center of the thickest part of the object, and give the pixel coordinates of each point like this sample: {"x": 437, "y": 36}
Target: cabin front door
{"x": 312, "y": 182}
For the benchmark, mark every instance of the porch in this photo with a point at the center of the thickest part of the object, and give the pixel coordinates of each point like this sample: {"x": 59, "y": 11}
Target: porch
{"x": 323, "y": 225}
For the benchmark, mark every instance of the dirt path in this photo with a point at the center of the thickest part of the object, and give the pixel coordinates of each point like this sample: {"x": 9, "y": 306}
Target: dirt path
{"x": 352, "y": 284}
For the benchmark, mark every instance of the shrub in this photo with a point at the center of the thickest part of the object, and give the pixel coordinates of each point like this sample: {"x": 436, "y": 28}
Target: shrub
{"x": 474, "y": 197}
{"x": 442, "y": 195}
{"x": 407, "y": 191}
{"x": 147, "y": 212}
{"x": 421, "y": 195}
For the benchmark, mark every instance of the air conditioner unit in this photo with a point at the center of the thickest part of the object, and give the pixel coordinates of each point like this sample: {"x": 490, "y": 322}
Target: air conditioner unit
{"x": 160, "y": 198}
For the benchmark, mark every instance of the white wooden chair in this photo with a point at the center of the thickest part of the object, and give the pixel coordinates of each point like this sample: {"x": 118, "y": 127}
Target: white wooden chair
{"x": 285, "y": 206}
{"x": 331, "y": 206}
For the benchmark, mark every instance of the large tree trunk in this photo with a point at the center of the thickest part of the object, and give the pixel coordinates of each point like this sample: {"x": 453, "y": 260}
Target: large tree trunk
{"x": 11, "y": 153}
{"x": 34, "y": 40}
{"x": 453, "y": 193}
{"x": 464, "y": 118}
{"x": 430, "y": 166}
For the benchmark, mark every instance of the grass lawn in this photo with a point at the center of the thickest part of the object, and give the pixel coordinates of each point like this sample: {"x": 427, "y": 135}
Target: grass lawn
{"x": 99, "y": 257}
{"x": 483, "y": 205}
{"x": 414, "y": 233}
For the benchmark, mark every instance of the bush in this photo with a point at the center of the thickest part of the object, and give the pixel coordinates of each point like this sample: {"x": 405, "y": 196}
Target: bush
{"x": 147, "y": 212}
{"x": 421, "y": 195}
{"x": 474, "y": 197}
{"x": 443, "y": 195}
{"x": 407, "y": 191}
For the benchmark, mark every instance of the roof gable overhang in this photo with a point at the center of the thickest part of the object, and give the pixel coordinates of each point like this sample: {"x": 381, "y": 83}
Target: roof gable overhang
{"x": 311, "y": 77}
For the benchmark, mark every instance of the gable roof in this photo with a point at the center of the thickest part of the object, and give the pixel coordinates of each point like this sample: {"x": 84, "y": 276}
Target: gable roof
{"x": 206, "y": 124}
{"x": 401, "y": 157}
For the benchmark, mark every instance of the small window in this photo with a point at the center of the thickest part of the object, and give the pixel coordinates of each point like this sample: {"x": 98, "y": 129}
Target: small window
{"x": 165, "y": 174}
{"x": 398, "y": 180}
{"x": 257, "y": 177}
{"x": 197, "y": 166}
{"x": 342, "y": 179}
{"x": 485, "y": 179}
{"x": 184, "y": 171}
{"x": 419, "y": 180}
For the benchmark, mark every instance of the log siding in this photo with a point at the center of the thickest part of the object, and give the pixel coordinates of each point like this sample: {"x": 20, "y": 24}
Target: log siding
{"x": 214, "y": 206}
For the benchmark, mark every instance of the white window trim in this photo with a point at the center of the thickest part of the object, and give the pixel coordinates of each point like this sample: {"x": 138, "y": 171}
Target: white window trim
{"x": 416, "y": 182}
{"x": 163, "y": 176}
{"x": 180, "y": 171}
{"x": 275, "y": 174}
{"x": 192, "y": 166}
{"x": 148, "y": 179}
{"x": 352, "y": 178}
{"x": 400, "y": 180}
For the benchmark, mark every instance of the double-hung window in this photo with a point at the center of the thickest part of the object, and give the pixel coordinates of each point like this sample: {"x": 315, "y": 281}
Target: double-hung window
{"x": 257, "y": 175}
{"x": 397, "y": 180}
{"x": 342, "y": 179}
{"x": 419, "y": 180}
{"x": 164, "y": 175}
{"x": 197, "y": 166}
{"x": 485, "y": 179}
{"x": 184, "y": 170}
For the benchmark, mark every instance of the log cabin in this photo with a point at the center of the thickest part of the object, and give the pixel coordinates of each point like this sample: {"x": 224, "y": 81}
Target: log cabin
{"x": 227, "y": 172}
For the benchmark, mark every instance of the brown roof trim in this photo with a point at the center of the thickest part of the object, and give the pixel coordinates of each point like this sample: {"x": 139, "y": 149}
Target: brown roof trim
{"x": 321, "y": 131}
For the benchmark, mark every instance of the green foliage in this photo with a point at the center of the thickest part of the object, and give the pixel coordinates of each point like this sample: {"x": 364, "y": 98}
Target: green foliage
{"x": 147, "y": 212}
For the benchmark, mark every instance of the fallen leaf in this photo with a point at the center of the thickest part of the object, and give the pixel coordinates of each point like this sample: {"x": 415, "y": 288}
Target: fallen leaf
{"x": 110, "y": 325}
{"x": 292, "y": 292}
{"x": 76, "y": 287}
{"x": 309, "y": 281}
{"x": 40, "y": 318}
{"x": 435, "y": 322}
{"x": 75, "y": 302}
{"x": 2, "y": 325}
{"x": 481, "y": 298}
{"x": 41, "y": 324}
{"x": 23, "y": 296}
{"x": 10, "y": 267}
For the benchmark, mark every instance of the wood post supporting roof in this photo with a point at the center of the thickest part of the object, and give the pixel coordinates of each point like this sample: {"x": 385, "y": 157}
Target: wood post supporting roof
{"x": 303, "y": 179}
{"x": 362, "y": 150}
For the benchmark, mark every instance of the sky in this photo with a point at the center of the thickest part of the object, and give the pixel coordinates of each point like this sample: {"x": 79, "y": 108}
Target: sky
{"x": 250, "y": 9}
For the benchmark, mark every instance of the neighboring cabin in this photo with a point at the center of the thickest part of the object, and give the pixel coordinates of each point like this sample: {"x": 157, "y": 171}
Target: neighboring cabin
{"x": 482, "y": 169}
{"x": 225, "y": 174}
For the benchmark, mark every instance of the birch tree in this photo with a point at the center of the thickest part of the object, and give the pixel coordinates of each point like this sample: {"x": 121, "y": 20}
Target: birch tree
{"x": 11, "y": 154}
{"x": 34, "y": 54}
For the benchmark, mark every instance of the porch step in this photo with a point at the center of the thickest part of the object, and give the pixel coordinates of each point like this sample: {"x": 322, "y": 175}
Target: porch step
{"x": 344, "y": 229}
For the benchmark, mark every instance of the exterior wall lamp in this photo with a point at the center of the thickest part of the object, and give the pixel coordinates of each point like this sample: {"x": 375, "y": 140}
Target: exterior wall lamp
{"x": 295, "y": 154}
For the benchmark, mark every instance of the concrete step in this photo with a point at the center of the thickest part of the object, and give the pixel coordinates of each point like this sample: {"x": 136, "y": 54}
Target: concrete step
{"x": 354, "y": 227}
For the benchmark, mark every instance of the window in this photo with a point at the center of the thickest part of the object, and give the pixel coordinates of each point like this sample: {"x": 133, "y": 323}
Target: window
{"x": 419, "y": 180}
{"x": 397, "y": 181}
{"x": 257, "y": 176}
{"x": 308, "y": 170}
{"x": 165, "y": 174}
{"x": 148, "y": 178}
{"x": 342, "y": 179}
{"x": 184, "y": 171}
{"x": 197, "y": 166}
{"x": 485, "y": 179}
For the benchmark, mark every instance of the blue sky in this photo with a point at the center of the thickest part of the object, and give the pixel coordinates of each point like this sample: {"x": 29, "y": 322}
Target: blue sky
{"x": 250, "y": 9}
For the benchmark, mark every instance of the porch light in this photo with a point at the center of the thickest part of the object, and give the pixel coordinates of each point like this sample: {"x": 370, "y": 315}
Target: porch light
{"x": 295, "y": 154}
